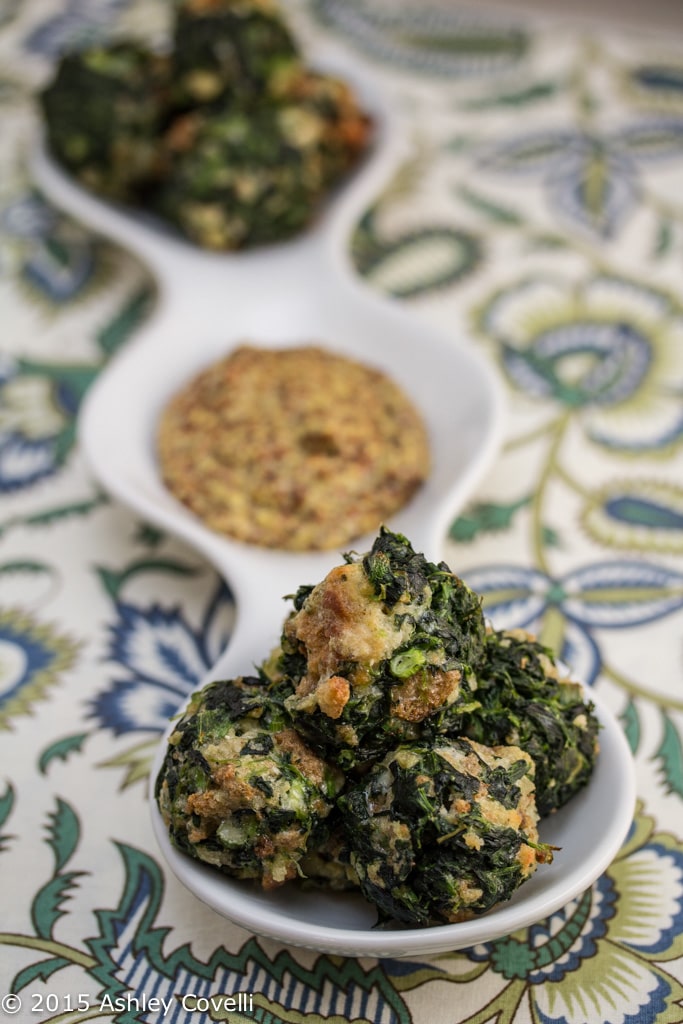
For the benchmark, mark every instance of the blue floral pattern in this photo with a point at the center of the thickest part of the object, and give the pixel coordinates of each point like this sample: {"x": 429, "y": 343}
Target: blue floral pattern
{"x": 606, "y": 346}
{"x": 163, "y": 659}
{"x": 606, "y": 595}
{"x": 34, "y": 657}
{"x": 38, "y": 406}
{"x": 58, "y": 259}
{"x": 592, "y": 180}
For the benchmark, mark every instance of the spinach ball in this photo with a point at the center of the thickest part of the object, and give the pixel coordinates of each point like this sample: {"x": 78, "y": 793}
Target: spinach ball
{"x": 242, "y": 176}
{"x": 441, "y": 832}
{"x": 229, "y": 49}
{"x": 104, "y": 113}
{"x": 238, "y": 788}
{"x": 385, "y": 649}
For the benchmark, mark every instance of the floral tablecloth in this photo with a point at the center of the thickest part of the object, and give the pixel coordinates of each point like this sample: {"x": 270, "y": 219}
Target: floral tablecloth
{"x": 540, "y": 214}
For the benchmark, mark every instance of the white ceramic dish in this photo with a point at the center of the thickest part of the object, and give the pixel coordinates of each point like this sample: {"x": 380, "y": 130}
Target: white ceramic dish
{"x": 284, "y": 295}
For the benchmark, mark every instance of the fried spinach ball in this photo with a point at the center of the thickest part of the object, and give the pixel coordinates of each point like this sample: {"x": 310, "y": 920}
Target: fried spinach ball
{"x": 239, "y": 789}
{"x": 229, "y": 49}
{"x": 244, "y": 176}
{"x": 386, "y": 648}
{"x": 104, "y": 112}
{"x": 442, "y": 832}
{"x": 525, "y": 701}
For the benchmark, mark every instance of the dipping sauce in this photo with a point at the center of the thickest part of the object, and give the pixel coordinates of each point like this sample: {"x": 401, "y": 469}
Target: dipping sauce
{"x": 296, "y": 448}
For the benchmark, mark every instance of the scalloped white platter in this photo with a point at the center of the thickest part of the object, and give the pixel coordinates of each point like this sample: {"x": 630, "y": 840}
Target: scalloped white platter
{"x": 289, "y": 294}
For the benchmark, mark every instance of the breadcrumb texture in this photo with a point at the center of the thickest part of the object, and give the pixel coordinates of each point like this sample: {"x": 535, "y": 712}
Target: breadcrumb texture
{"x": 295, "y": 448}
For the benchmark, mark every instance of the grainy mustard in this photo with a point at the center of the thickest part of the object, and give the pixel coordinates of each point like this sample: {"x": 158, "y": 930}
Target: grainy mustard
{"x": 296, "y": 448}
